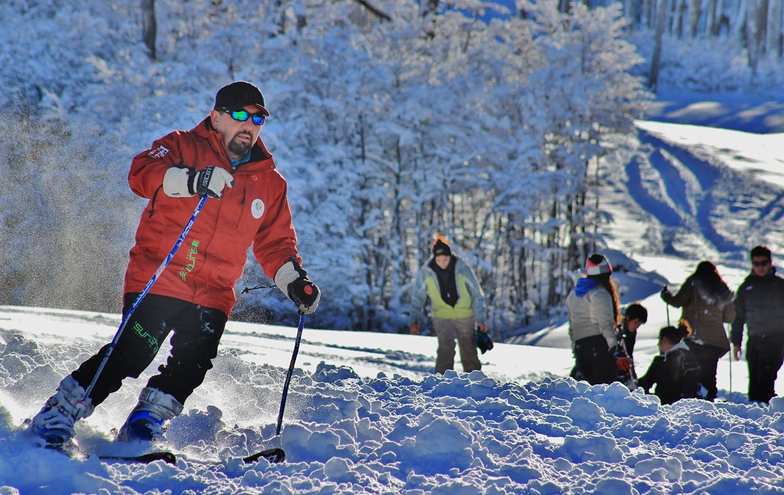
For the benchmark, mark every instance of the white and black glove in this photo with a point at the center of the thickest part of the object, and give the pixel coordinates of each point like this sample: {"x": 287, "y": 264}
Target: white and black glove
{"x": 293, "y": 280}
{"x": 184, "y": 182}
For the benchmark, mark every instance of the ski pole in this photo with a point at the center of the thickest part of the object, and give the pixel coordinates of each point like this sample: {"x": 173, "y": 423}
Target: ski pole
{"x": 143, "y": 293}
{"x": 730, "y": 376}
{"x": 668, "y": 313}
{"x": 730, "y": 366}
{"x": 288, "y": 374}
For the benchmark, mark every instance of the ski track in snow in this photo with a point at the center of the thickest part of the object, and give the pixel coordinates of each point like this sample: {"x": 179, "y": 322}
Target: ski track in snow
{"x": 682, "y": 191}
{"x": 692, "y": 191}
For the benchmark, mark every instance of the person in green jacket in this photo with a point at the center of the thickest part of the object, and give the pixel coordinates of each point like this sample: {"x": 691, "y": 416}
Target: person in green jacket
{"x": 458, "y": 306}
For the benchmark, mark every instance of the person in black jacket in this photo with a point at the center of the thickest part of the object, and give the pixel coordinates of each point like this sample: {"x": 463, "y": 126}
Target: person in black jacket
{"x": 675, "y": 372}
{"x": 759, "y": 305}
{"x": 634, "y": 316}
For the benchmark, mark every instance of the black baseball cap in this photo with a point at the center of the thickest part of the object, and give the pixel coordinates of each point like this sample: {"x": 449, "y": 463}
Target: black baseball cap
{"x": 238, "y": 95}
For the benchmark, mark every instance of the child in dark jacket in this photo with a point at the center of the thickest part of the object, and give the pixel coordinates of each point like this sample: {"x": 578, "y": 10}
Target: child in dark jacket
{"x": 675, "y": 372}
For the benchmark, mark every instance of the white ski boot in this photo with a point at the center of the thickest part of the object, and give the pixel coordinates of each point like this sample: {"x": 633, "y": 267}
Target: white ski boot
{"x": 148, "y": 419}
{"x": 55, "y": 422}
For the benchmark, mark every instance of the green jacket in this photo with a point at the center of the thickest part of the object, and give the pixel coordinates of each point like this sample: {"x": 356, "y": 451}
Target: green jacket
{"x": 470, "y": 302}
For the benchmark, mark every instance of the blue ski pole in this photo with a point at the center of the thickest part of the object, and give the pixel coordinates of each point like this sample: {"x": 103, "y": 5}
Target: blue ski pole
{"x": 143, "y": 293}
{"x": 288, "y": 375}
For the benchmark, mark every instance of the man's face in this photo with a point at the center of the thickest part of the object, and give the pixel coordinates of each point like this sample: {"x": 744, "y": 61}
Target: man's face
{"x": 443, "y": 261}
{"x": 238, "y": 137}
{"x": 760, "y": 265}
{"x": 634, "y": 324}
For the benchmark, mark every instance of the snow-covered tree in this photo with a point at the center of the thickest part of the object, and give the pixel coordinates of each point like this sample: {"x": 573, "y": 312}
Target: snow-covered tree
{"x": 390, "y": 122}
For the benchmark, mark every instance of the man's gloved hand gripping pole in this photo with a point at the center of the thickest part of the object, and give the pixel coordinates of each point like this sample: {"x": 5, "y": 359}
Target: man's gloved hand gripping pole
{"x": 184, "y": 182}
{"x": 293, "y": 281}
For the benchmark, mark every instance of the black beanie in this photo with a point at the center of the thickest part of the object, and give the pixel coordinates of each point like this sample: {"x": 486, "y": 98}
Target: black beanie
{"x": 441, "y": 248}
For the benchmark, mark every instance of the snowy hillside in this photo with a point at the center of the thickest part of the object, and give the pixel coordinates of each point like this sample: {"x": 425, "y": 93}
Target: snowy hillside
{"x": 350, "y": 431}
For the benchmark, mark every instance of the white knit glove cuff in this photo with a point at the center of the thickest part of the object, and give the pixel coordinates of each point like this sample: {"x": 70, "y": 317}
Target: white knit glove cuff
{"x": 175, "y": 183}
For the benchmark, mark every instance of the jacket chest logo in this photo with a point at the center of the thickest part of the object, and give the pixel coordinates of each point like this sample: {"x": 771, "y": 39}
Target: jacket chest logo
{"x": 257, "y": 208}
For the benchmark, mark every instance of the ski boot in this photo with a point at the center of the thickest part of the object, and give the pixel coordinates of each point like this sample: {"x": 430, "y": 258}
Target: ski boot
{"x": 147, "y": 421}
{"x": 54, "y": 424}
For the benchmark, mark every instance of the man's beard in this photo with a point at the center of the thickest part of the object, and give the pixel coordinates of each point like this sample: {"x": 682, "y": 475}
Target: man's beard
{"x": 240, "y": 148}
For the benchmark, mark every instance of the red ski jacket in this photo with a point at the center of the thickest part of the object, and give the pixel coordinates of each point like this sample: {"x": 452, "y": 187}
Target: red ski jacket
{"x": 213, "y": 255}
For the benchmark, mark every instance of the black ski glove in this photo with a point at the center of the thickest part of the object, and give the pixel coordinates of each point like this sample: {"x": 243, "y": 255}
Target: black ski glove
{"x": 483, "y": 341}
{"x": 293, "y": 280}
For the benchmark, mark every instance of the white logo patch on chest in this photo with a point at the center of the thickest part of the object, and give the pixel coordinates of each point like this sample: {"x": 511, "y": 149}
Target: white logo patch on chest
{"x": 257, "y": 208}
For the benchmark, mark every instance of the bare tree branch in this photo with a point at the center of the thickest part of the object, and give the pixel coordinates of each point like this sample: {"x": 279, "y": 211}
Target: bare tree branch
{"x": 375, "y": 10}
{"x": 149, "y": 26}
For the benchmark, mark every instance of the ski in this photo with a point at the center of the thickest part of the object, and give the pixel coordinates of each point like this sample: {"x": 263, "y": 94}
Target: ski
{"x": 274, "y": 456}
{"x": 68, "y": 448}
{"x": 74, "y": 452}
{"x": 147, "y": 458}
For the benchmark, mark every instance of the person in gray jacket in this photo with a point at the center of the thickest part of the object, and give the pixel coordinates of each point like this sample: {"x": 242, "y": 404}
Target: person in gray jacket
{"x": 759, "y": 305}
{"x": 458, "y": 306}
{"x": 593, "y": 311}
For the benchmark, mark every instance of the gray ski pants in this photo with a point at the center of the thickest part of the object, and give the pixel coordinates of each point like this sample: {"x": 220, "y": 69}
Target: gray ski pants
{"x": 462, "y": 330}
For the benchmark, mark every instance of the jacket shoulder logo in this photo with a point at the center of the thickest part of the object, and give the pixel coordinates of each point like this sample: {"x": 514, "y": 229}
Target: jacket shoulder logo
{"x": 158, "y": 152}
{"x": 257, "y": 208}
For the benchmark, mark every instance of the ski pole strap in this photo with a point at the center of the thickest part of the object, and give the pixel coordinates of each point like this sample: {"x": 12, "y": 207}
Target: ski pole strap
{"x": 141, "y": 295}
{"x": 288, "y": 375}
{"x": 248, "y": 289}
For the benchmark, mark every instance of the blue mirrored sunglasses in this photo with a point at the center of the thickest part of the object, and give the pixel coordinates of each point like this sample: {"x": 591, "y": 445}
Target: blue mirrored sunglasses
{"x": 242, "y": 116}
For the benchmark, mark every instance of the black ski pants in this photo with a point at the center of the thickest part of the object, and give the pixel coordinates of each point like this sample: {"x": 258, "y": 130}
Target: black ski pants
{"x": 765, "y": 356}
{"x": 194, "y": 344}
{"x": 594, "y": 362}
{"x": 708, "y": 357}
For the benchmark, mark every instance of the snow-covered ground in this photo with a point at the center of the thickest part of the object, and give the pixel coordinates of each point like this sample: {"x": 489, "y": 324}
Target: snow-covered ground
{"x": 365, "y": 414}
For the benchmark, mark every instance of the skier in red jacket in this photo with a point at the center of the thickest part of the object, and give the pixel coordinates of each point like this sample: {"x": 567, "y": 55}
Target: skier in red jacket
{"x": 222, "y": 157}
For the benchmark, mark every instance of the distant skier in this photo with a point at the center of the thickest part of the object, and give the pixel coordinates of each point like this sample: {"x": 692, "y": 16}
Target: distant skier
{"x": 458, "y": 306}
{"x": 707, "y": 305}
{"x": 222, "y": 157}
{"x": 592, "y": 308}
{"x": 675, "y": 372}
